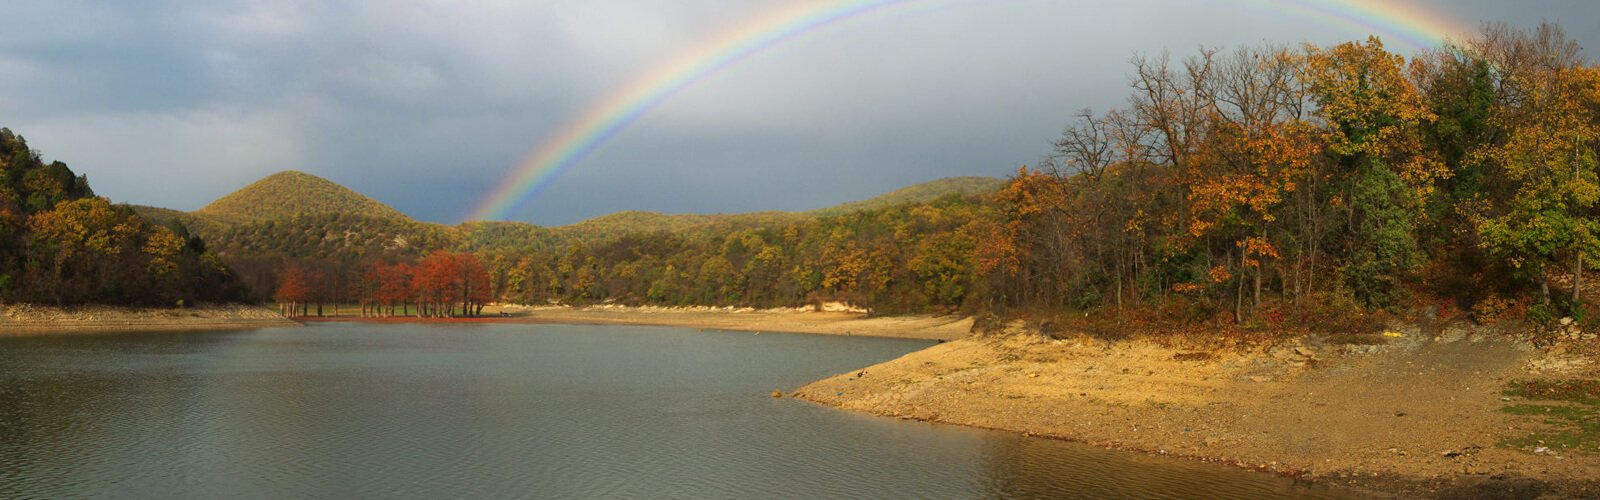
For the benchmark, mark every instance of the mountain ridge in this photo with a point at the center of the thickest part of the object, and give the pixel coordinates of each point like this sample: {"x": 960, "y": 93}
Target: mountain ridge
{"x": 286, "y": 194}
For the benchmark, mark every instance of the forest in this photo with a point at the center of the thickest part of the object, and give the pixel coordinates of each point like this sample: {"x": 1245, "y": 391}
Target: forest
{"x": 1265, "y": 185}
{"x": 62, "y": 245}
{"x": 1261, "y": 180}
{"x": 1253, "y": 185}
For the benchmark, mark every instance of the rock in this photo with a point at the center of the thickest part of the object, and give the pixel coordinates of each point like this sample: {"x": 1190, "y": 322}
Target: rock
{"x": 1566, "y": 321}
{"x": 1542, "y": 450}
{"x": 1260, "y": 378}
{"x": 1305, "y": 352}
{"x": 777, "y": 393}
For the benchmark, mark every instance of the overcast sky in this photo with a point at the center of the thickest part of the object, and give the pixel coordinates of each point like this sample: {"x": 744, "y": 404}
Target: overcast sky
{"x": 427, "y": 104}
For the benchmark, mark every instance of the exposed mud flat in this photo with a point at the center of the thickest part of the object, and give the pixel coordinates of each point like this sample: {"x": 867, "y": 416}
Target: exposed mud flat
{"x": 26, "y": 319}
{"x": 1419, "y": 414}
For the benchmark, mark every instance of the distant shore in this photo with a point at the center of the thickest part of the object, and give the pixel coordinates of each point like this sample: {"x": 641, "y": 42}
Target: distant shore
{"x": 764, "y": 320}
{"x": 1420, "y": 415}
{"x": 29, "y": 319}
{"x": 797, "y": 320}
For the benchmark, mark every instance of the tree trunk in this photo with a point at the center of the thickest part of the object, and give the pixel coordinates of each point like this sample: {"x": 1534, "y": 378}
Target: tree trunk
{"x": 1544, "y": 284}
{"x": 1118, "y": 281}
{"x": 1238, "y": 296}
{"x": 1238, "y": 303}
{"x": 1577, "y": 277}
{"x": 1257, "y": 300}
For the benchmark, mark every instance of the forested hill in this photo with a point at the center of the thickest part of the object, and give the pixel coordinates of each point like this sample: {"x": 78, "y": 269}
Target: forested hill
{"x": 1270, "y": 185}
{"x": 320, "y": 204}
{"x": 62, "y": 245}
{"x": 920, "y": 193}
{"x": 294, "y": 217}
{"x": 289, "y": 193}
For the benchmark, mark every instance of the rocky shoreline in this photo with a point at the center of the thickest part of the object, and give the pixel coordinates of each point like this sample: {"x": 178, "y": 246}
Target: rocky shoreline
{"x": 1413, "y": 415}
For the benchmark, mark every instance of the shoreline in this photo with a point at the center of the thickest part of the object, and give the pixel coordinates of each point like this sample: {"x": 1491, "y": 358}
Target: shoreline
{"x": 28, "y": 319}
{"x": 798, "y": 321}
{"x": 845, "y": 323}
{"x": 1420, "y": 416}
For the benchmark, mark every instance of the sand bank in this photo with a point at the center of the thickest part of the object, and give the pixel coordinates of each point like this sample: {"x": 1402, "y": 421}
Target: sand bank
{"x": 1420, "y": 415}
{"x": 26, "y": 319}
{"x": 760, "y": 320}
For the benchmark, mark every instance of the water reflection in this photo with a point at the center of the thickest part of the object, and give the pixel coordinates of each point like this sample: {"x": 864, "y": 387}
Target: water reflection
{"x": 1043, "y": 468}
{"x": 511, "y": 411}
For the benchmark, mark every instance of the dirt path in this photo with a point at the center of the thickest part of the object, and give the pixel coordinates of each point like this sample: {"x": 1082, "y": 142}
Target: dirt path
{"x": 1416, "y": 416}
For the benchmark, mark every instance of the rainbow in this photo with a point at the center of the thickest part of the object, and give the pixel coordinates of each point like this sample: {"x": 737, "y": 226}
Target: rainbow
{"x": 580, "y": 137}
{"x": 1413, "y": 27}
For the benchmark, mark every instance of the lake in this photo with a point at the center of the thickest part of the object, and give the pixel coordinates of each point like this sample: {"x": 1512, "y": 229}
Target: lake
{"x": 354, "y": 410}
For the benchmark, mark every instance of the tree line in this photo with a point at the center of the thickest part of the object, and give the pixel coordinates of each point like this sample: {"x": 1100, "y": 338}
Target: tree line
{"x": 900, "y": 259}
{"x": 62, "y": 245}
{"x": 433, "y": 287}
{"x": 1346, "y": 175}
{"x": 1235, "y": 182}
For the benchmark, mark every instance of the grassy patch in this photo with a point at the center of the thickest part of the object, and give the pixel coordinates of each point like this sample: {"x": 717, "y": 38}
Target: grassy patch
{"x": 1572, "y": 426}
{"x": 1577, "y": 391}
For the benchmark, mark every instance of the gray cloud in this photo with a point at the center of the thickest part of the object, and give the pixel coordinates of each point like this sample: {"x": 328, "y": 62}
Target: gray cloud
{"x": 425, "y": 104}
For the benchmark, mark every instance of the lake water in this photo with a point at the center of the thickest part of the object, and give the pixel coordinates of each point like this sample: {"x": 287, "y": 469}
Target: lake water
{"x": 524, "y": 411}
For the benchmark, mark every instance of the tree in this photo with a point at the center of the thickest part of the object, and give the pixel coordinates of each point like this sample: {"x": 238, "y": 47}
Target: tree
{"x": 1551, "y": 159}
{"x": 294, "y": 291}
{"x": 1371, "y": 115}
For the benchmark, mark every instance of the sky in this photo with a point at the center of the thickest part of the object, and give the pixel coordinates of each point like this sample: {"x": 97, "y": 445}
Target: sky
{"x": 428, "y": 105}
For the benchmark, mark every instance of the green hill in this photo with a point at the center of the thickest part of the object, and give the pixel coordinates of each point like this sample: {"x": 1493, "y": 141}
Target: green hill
{"x": 611, "y": 226}
{"x": 639, "y": 222}
{"x": 295, "y": 215}
{"x": 62, "y": 245}
{"x": 290, "y": 193}
{"x": 298, "y": 215}
{"x": 919, "y": 193}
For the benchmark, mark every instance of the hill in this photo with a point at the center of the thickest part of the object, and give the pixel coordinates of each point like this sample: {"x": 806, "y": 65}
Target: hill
{"x": 611, "y": 226}
{"x": 639, "y": 222}
{"x": 919, "y": 193}
{"x": 297, "y": 217}
{"x": 194, "y": 222}
{"x": 290, "y": 193}
{"x": 62, "y": 245}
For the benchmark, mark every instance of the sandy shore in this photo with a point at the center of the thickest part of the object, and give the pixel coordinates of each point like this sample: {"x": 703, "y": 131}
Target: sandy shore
{"x": 791, "y": 321}
{"x": 32, "y": 319}
{"x": 1420, "y": 415}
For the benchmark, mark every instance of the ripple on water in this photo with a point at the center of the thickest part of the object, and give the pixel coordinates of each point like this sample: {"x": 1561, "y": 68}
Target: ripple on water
{"x": 420, "y": 411}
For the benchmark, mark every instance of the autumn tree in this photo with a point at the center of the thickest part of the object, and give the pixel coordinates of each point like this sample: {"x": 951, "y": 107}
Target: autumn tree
{"x": 1549, "y": 157}
{"x": 1372, "y": 115}
{"x": 295, "y": 291}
